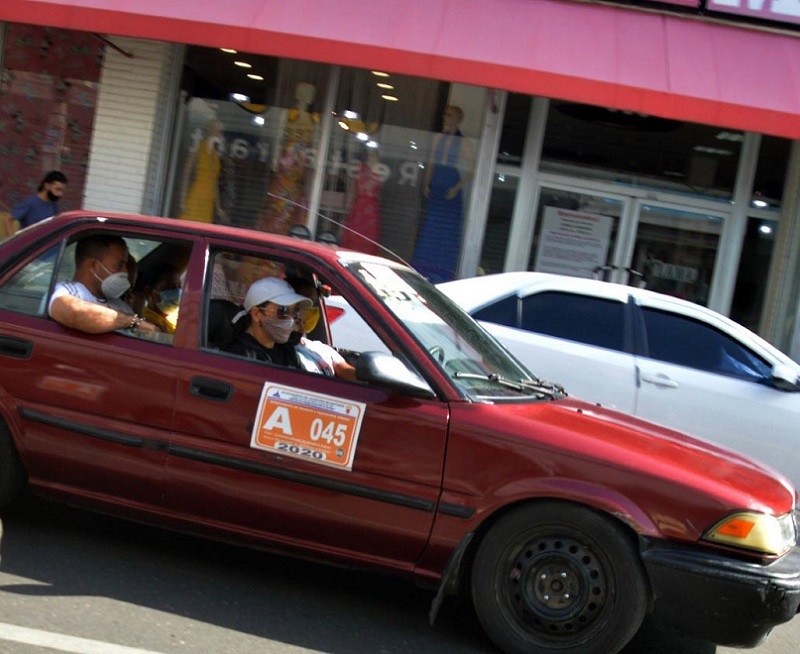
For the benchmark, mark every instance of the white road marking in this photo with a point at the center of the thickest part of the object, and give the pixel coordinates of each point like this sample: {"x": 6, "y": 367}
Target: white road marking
{"x": 64, "y": 643}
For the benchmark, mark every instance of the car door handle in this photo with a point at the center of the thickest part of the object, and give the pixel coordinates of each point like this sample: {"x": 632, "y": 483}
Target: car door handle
{"x": 211, "y": 389}
{"x": 15, "y": 347}
{"x": 660, "y": 380}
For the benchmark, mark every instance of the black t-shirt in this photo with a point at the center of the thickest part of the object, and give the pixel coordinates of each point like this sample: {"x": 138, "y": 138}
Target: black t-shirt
{"x": 281, "y": 354}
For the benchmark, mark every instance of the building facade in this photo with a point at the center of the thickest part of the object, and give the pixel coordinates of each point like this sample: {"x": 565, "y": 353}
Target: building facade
{"x": 653, "y": 144}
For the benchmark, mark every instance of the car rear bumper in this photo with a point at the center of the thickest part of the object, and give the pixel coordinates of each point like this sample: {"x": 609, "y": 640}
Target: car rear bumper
{"x": 718, "y": 598}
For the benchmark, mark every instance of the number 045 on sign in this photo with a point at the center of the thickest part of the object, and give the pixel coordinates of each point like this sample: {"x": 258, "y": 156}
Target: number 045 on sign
{"x": 319, "y": 428}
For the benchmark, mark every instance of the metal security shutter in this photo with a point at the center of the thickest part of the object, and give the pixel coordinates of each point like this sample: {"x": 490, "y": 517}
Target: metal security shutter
{"x": 128, "y": 144}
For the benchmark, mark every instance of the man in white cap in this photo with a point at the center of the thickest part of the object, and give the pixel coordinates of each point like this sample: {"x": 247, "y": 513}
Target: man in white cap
{"x": 271, "y": 307}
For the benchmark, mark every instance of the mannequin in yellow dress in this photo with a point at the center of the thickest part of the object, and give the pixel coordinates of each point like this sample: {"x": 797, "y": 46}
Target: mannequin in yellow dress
{"x": 283, "y": 206}
{"x": 201, "y": 201}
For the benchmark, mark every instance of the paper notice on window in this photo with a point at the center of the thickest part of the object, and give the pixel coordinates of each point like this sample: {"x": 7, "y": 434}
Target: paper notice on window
{"x": 573, "y": 242}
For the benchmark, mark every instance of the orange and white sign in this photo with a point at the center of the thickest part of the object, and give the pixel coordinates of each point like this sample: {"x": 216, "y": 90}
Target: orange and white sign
{"x": 312, "y": 426}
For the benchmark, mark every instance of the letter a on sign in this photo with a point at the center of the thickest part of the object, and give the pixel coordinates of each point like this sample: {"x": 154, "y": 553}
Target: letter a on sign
{"x": 280, "y": 420}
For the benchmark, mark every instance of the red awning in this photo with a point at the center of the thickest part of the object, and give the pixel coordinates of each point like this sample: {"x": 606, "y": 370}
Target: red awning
{"x": 664, "y": 65}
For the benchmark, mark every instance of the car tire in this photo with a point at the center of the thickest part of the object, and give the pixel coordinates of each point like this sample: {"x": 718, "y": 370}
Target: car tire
{"x": 558, "y": 577}
{"x": 12, "y": 476}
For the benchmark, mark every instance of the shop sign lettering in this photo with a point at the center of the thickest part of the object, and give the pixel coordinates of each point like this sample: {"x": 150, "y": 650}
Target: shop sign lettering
{"x": 405, "y": 173}
{"x": 780, "y": 10}
{"x": 783, "y": 11}
{"x": 673, "y": 272}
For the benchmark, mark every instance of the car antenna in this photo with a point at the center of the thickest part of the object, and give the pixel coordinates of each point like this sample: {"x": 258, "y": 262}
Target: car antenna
{"x": 343, "y": 226}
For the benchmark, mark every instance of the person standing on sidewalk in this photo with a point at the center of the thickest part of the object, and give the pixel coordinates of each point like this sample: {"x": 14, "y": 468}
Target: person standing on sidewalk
{"x": 37, "y": 206}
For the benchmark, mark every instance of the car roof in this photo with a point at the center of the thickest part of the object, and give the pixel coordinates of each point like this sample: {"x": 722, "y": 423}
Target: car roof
{"x": 476, "y": 292}
{"x": 177, "y": 226}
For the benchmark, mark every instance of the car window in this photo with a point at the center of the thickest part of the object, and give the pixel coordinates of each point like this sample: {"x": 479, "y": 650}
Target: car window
{"x": 502, "y": 312}
{"x": 27, "y": 290}
{"x": 580, "y": 318}
{"x": 151, "y": 260}
{"x": 687, "y": 342}
{"x": 453, "y": 340}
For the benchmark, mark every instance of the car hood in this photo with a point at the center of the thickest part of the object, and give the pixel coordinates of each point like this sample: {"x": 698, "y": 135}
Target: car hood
{"x": 612, "y": 446}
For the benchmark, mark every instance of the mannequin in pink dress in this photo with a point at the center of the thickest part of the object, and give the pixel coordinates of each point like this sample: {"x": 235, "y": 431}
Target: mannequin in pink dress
{"x": 364, "y": 216}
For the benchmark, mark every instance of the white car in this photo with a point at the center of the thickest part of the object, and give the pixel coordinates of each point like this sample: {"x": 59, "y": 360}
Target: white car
{"x": 655, "y": 356}
{"x": 660, "y": 358}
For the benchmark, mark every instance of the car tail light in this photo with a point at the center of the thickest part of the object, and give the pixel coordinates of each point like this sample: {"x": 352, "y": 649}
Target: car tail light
{"x": 333, "y": 313}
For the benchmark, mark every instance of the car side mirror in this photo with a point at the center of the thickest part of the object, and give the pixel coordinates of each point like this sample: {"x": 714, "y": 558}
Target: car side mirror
{"x": 386, "y": 370}
{"x": 785, "y": 378}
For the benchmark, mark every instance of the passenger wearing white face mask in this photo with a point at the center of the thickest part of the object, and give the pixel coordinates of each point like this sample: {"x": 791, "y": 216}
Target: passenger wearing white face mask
{"x": 101, "y": 275}
{"x": 271, "y": 307}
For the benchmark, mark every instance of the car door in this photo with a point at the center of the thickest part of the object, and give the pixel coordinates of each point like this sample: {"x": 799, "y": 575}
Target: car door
{"x": 573, "y": 339}
{"x": 91, "y": 408}
{"x": 696, "y": 378}
{"x": 380, "y": 508}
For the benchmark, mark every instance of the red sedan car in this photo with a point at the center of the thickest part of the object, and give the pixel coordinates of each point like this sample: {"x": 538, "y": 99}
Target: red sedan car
{"x": 444, "y": 461}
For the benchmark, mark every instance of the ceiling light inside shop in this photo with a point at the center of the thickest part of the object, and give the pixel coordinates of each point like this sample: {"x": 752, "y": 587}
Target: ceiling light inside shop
{"x": 362, "y": 136}
{"x": 229, "y": 50}
{"x": 372, "y": 144}
{"x": 379, "y": 73}
{"x": 717, "y": 151}
{"x": 242, "y": 64}
{"x": 239, "y": 97}
{"x": 760, "y": 204}
{"x": 390, "y": 98}
{"x": 344, "y": 125}
{"x": 258, "y": 78}
{"x": 259, "y": 120}
{"x": 383, "y": 85}
{"x": 765, "y": 229}
{"x": 736, "y": 137}
{"x": 350, "y": 115}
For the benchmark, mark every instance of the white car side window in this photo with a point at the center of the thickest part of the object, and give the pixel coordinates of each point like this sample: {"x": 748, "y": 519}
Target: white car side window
{"x": 691, "y": 343}
{"x": 580, "y": 318}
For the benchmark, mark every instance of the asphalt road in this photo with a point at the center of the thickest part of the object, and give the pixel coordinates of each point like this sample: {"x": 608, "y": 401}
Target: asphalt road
{"x": 72, "y": 581}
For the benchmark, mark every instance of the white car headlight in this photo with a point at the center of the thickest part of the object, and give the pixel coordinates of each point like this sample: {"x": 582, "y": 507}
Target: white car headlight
{"x": 759, "y": 532}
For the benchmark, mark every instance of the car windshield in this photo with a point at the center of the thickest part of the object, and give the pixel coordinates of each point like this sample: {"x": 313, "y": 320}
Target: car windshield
{"x": 468, "y": 355}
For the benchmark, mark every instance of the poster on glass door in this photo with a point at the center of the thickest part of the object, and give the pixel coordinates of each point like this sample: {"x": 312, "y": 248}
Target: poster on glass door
{"x": 573, "y": 242}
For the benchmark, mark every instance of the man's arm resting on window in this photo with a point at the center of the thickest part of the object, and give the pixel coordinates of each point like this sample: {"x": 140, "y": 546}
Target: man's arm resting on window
{"x": 90, "y": 317}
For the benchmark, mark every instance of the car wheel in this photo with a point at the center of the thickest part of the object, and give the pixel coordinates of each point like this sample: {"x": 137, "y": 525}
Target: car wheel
{"x": 556, "y": 577}
{"x": 12, "y": 476}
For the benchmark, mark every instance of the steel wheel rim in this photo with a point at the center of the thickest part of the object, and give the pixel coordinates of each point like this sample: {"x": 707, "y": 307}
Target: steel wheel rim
{"x": 557, "y": 587}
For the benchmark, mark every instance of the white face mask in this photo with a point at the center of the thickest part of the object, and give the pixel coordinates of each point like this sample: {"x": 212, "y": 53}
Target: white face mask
{"x": 115, "y": 285}
{"x": 278, "y": 328}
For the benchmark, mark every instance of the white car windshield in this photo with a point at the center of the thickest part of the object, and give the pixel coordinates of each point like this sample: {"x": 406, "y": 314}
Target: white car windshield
{"x": 475, "y": 362}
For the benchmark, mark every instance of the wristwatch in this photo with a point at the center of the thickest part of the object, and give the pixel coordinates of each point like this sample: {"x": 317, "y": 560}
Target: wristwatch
{"x": 136, "y": 320}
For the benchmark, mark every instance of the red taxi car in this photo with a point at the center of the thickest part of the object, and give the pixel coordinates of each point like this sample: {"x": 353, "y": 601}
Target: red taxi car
{"x": 445, "y": 461}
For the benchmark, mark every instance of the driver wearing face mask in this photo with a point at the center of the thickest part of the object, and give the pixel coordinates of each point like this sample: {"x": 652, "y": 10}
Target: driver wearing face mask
{"x": 88, "y": 301}
{"x": 271, "y": 308}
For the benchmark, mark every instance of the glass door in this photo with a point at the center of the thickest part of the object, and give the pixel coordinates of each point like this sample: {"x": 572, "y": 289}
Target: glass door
{"x": 674, "y": 251}
{"x": 576, "y": 232}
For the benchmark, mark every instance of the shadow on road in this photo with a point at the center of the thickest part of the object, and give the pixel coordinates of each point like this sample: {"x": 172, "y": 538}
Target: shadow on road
{"x": 68, "y": 552}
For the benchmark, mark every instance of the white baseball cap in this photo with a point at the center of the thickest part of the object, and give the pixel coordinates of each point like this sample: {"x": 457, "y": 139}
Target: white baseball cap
{"x": 271, "y": 289}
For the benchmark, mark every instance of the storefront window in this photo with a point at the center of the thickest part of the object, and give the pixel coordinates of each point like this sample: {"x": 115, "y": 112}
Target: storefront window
{"x": 633, "y": 149}
{"x": 773, "y": 158}
{"x": 400, "y": 162}
{"x": 751, "y": 279}
{"x": 48, "y": 95}
{"x": 498, "y": 224}
{"x": 575, "y": 233}
{"x": 251, "y": 130}
{"x": 676, "y": 250}
{"x": 515, "y": 128}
